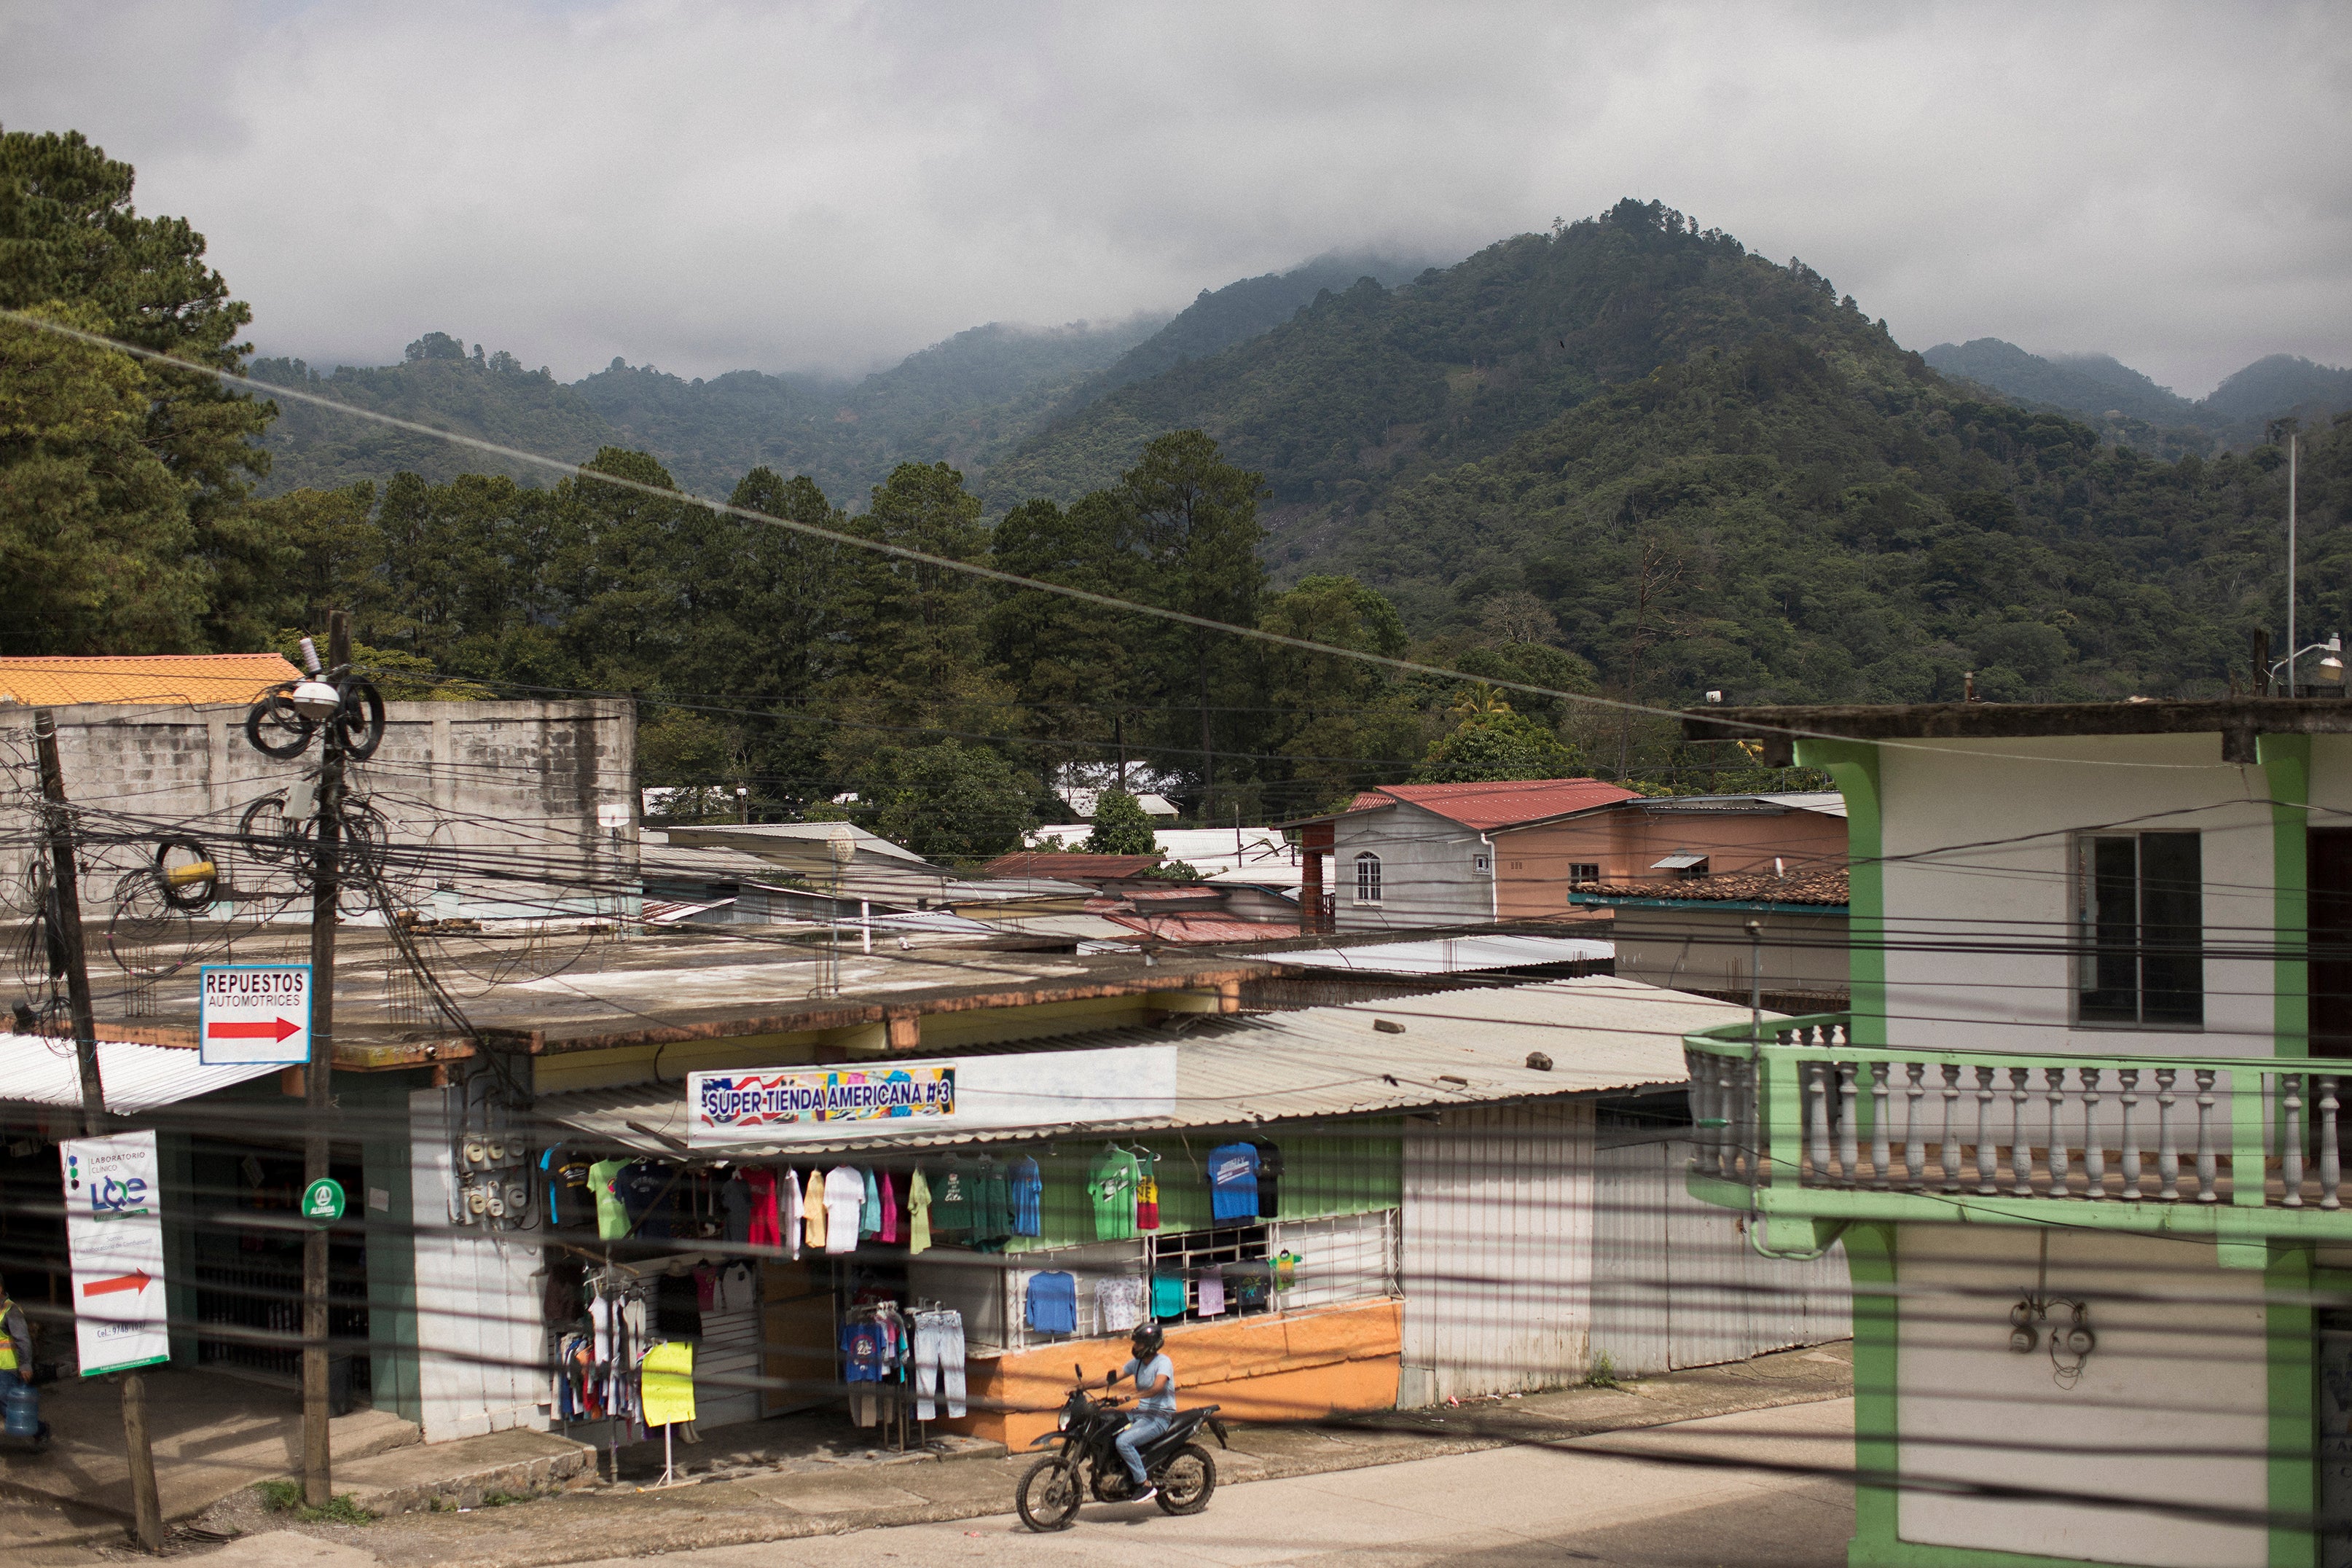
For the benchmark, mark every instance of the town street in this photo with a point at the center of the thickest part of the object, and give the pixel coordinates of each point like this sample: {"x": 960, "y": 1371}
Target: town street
{"x": 1590, "y": 1500}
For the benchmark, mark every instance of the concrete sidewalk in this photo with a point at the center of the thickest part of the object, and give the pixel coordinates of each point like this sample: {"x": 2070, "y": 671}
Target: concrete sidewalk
{"x": 606, "y": 1521}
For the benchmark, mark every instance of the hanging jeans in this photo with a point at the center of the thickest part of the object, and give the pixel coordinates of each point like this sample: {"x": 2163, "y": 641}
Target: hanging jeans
{"x": 1145, "y": 1426}
{"x": 939, "y": 1364}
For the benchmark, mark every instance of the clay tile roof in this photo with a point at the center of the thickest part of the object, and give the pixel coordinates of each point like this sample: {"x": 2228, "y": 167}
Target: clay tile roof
{"x": 1500, "y": 804}
{"x": 216, "y": 678}
{"x": 1068, "y": 867}
{"x": 1824, "y": 888}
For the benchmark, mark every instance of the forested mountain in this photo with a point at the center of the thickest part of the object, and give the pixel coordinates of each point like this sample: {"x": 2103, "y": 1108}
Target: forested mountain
{"x": 2127, "y": 407}
{"x": 1237, "y": 312}
{"x": 964, "y": 400}
{"x": 1369, "y": 385}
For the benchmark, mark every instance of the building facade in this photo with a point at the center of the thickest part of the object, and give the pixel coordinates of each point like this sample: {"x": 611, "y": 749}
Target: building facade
{"x": 2078, "y": 1132}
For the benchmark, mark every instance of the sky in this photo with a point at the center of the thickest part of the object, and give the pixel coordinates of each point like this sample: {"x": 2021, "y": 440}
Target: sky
{"x": 709, "y": 186}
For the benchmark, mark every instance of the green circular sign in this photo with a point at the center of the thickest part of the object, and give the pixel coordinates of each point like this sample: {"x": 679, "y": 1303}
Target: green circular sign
{"x": 322, "y": 1201}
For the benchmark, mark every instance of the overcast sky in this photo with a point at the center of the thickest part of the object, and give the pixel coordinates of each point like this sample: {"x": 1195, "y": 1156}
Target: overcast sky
{"x": 708, "y": 186}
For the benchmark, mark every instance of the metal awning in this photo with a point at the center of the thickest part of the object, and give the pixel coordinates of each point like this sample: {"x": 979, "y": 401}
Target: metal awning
{"x": 38, "y": 1069}
{"x": 1416, "y": 1053}
{"x": 1681, "y": 860}
{"x": 1452, "y": 955}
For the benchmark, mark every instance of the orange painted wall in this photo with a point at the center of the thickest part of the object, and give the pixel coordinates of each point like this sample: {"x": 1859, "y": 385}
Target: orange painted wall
{"x": 1293, "y": 1367}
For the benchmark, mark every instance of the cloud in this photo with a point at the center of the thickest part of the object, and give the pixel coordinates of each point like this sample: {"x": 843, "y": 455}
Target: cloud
{"x": 710, "y": 186}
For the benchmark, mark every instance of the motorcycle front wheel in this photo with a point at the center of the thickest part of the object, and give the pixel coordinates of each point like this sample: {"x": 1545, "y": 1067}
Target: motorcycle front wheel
{"x": 1187, "y": 1481}
{"x": 1049, "y": 1494}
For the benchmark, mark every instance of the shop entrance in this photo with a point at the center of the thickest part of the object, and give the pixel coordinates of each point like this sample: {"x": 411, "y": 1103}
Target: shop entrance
{"x": 248, "y": 1255}
{"x": 32, "y": 1238}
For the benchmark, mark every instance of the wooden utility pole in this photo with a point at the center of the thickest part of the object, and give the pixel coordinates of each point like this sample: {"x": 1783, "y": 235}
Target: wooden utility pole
{"x": 318, "y": 1480}
{"x": 65, "y": 915}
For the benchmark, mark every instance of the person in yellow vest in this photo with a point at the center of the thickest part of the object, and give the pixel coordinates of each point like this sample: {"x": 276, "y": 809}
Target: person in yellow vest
{"x": 15, "y": 1338}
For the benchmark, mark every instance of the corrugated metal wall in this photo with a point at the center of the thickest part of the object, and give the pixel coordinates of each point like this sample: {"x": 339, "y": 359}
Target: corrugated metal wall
{"x": 482, "y": 1357}
{"x": 1497, "y": 1254}
{"x": 1675, "y": 1282}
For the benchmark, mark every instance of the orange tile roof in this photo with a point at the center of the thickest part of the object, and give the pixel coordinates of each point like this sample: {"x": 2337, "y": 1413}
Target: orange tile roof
{"x": 221, "y": 678}
{"x": 1503, "y": 804}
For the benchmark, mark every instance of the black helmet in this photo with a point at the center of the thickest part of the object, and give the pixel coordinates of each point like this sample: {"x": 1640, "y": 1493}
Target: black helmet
{"x": 1148, "y": 1338}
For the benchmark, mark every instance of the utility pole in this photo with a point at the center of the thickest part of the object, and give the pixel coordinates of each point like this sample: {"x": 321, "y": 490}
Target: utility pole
{"x": 65, "y": 915}
{"x": 317, "y": 1104}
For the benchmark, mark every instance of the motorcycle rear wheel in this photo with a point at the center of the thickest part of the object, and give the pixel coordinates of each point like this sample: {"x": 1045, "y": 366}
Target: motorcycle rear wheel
{"x": 1187, "y": 1481}
{"x": 1049, "y": 1494}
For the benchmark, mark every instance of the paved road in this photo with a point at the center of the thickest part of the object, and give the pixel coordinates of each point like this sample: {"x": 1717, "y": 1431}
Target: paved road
{"x": 1623, "y": 1501}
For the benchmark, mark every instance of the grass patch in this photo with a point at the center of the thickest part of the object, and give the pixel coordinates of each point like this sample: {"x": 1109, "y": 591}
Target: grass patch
{"x": 1603, "y": 1374}
{"x": 285, "y": 1497}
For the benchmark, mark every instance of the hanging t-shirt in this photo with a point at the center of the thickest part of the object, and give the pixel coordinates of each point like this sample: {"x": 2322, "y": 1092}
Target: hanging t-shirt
{"x": 1119, "y": 1303}
{"x": 735, "y": 1203}
{"x": 1053, "y": 1303}
{"x": 649, "y": 1190}
{"x": 861, "y": 1345}
{"x": 889, "y": 1231}
{"x": 1111, "y": 1187}
{"x": 1028, "y": 1189}
{"x": 1233, "y": 1182}
{"x": 571, "y": 1194}
{"x": 789, "y": 1211}
{"x": 918, "y": 1214}
{"x": 1210, "y": 1291}
{"x": 760, "y": 1189}
{"x": 869, "y": 1213}
{"x": 844, "y": 1200}
{"x": 951, "y": 1201}
{"x": 993, "y": 1218}
{"x": 1269, "y": 1178}
{"x": 1168, "y": 1295}
{"x": 1250, "y": 1284}
{"x": 813, "y": 1209}
{"x": 1147, "y": 1195}
{"x": 611, "y": 1212}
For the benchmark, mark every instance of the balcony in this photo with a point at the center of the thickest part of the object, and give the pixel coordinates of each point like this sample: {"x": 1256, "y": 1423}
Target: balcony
{"x": 1808, "y": 1132}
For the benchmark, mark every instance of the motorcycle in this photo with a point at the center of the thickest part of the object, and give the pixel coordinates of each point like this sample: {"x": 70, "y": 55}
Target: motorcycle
{"x": 1085, "y": 1464}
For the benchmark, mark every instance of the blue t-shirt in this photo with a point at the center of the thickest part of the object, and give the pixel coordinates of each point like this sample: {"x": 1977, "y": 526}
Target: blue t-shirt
{"x": 1233, "y": 1182}
{"x": 1028, "y": 1197}
{"x": 1053, "y": 1303}
{"x": 1143, "y": 1372}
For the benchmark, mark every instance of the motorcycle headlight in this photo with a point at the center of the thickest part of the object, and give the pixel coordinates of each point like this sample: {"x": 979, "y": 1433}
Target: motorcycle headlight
{"x": 1063, "y": 1424}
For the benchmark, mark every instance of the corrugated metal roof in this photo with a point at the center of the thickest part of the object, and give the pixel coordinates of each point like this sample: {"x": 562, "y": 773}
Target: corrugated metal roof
{"x": 1452, "y": 955}
{"x": 37, "y": 1069}
{"x": 224, "y": 678}
{"x": 1452, "y": 1048}
{"x": 1498, "y": 803}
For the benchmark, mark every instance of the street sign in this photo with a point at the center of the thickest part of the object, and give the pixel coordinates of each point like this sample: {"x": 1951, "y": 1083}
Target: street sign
{"x": 114, "y": 1244}
{"x": 322, "y": 1201}
{"x": 254, "y": 1014}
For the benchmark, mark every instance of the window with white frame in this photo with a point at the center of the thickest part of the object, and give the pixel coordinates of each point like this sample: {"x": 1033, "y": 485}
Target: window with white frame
{"x": 1368, "y": 878}
{"x": 2139, "y": 902}
{"x": 1579, "y": 872}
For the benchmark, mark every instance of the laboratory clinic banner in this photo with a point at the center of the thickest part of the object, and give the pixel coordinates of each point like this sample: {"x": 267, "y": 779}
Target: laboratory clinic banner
{"x": 114, "y": 1240}
{"x": 783, "y": 1106}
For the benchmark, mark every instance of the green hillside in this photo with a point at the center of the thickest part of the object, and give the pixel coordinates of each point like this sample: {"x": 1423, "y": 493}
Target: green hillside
{"x": 439, "y": 385}
{"x": 965, "y": 400}
{"x": 1369, "y": 385}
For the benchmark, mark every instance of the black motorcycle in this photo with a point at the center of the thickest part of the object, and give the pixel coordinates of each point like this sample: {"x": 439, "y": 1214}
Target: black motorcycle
{"x": 1181, "y": 1468}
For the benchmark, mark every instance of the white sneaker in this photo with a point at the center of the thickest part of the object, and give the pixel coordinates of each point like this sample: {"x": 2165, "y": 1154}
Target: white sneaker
{"x": 1146, "y": 1495}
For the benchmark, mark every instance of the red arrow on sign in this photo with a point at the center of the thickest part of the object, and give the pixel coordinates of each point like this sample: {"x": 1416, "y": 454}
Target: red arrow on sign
{"x": 137, "y": 1280}
{"x": 276, "y": 1030}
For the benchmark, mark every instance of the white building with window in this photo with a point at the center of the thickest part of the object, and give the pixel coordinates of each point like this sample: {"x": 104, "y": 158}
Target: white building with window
{"x": 2080, "y": 1133}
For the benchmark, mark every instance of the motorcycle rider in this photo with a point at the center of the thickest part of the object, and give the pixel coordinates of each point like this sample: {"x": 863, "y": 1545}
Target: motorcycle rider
{"x": 1155, "y": 1403}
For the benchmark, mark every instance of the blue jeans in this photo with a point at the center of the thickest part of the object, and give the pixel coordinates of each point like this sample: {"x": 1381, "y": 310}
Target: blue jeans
{"x": 1141, "y": 1428}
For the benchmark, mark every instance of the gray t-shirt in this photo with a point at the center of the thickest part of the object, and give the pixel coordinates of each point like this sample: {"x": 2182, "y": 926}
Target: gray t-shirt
{"x": 1144, "y": 1372}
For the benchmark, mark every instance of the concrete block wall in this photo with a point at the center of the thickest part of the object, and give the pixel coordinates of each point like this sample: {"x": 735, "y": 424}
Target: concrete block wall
{"x": 523, "y": 778}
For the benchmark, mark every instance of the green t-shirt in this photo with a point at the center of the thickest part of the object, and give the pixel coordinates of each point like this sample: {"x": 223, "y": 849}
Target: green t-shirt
{"x": 612, "y": 1214}
{"x": 1111, "y": 1186}
{"x": 952, "y": 1201}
